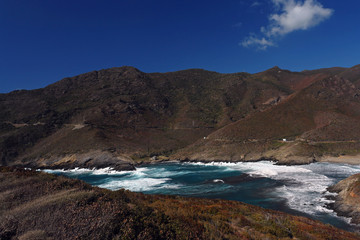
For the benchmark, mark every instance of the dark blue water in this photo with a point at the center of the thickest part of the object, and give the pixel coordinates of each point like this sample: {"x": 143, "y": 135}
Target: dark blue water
{"x": 299, "y": 190}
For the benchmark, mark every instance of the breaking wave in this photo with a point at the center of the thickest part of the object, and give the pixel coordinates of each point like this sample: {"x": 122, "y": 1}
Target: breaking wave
{"x": 303, "y": 186}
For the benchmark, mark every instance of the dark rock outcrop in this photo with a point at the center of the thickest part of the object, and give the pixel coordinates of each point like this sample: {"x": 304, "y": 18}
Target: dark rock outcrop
{"x": 347, "y": 202}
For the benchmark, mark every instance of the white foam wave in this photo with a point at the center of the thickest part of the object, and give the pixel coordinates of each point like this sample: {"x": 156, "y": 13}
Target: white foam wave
{"x": 304, "y": 186}
{"x": 161, "y": 172}
{"x": 100, "y": 171}
{"x": 227, "y": 165}
{"x": 141, "y": 180}
{"x": 218, "y": 180}
{"x": 262, "y": 168}
{"x": 139, "y": 185}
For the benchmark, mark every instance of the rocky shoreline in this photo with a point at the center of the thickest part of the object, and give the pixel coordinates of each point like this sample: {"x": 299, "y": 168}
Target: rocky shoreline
{"x": 90, "y": 160}
{"x": 104, "y": 159}
{"x": 347, "y": 200}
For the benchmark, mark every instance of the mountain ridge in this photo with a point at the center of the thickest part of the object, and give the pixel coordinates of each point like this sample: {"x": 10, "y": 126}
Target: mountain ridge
{"x": 125, "y": 116}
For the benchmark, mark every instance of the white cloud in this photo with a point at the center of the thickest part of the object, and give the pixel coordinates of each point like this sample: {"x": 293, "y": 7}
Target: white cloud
{"x": 255, "y": 4}
{"x": 260, "y": 43}
{"x": 297, "y": 16}
{"x": 290, "y": 15}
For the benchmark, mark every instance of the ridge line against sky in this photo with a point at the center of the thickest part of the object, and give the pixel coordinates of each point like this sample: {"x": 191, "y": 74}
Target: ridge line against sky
{"x": 44, "y": 41}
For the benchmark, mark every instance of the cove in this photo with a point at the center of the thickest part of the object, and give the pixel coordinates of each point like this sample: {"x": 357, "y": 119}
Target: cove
{"x": 298, "y": 190}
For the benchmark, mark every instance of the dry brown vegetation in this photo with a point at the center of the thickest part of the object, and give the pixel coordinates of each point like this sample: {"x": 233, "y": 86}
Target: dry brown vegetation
{"x": 37, "y": 205}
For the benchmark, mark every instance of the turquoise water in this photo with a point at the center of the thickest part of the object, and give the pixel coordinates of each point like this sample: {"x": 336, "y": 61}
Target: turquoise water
{"x": 299, "y": 190}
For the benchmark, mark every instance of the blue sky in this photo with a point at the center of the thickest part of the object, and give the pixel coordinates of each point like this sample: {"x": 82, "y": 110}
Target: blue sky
{"x": 43, "y": 41}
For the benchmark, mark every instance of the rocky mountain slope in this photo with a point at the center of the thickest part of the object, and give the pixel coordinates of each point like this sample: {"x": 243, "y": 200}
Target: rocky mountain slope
{"x": 119, "y": 117}
{"x": 347, "y": 202}
{"x": 36, "y": 205}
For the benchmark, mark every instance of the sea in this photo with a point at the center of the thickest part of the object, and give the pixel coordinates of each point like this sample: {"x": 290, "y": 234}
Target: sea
{"x": 298, "y": 190}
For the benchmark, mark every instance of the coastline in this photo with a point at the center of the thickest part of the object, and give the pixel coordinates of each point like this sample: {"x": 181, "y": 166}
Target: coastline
{"x": 347, "y": 159}
{"x": 99, "y": 159}
{"x": 266, "y": 167}
{"x": 293, "y": 161}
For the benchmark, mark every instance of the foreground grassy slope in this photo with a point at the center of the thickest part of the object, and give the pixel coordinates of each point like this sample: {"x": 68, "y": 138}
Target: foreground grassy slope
{"x": 42, "y": 206}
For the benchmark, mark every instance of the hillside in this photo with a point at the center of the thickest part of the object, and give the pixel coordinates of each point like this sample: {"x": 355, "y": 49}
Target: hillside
{"x": 318, "y": 120}
{"x": 119, "y": 117}
{"x": 37, "y": 205}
